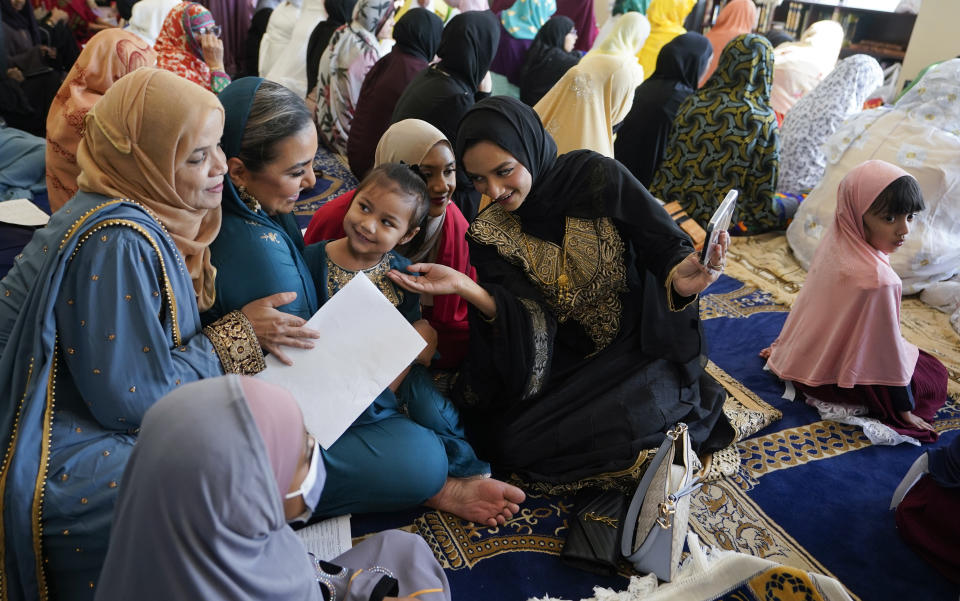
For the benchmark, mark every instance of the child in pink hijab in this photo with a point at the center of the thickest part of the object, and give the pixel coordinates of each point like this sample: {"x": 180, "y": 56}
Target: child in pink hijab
{"x": 841, "y": 342}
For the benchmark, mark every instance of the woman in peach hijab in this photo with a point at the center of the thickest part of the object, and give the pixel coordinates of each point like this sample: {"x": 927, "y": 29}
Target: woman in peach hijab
{"x": 108, "y": 56}
{"x": 736, "y": 18}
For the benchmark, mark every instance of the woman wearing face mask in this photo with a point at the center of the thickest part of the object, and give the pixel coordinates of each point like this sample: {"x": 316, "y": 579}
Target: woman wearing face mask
{"x": 416, "y": 142}
{"x": 180, "y": 486}
{"x": 352, "y": 52}
{"x": 99, "y": 319}
{"x": 585, "y": 340}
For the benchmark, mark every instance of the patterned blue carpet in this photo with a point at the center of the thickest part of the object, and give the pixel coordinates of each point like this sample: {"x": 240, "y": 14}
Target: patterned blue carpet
{"x": 808, "y": 493}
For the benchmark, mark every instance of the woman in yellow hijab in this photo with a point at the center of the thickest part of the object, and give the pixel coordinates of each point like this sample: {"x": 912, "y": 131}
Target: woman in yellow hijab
{"x": 666, "y": 22}
{"x": 597, "y": 93}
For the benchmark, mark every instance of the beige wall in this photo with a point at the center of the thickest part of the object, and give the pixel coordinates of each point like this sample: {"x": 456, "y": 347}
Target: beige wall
{"x": 934, "y": 37}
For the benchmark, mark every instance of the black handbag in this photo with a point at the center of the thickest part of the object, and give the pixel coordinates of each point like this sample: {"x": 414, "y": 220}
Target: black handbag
{"x": 593, "y": 540}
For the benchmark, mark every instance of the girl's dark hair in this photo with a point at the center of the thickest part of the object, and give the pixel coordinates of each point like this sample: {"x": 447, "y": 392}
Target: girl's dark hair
{"x": 409, "y": 181}
{"x": 276, "y": 114}
{"x": 901, "y": 197}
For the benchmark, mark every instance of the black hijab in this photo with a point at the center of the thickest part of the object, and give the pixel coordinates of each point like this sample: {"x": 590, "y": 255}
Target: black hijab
{"x": 778, "y": 36}
{"x": 468, "y": 45}
{"x": 418, "y": 33}
{"x": 588, "y": 185}
{"x": 546, "y": 60}
{"x": 21, "y": 20}
{"x": 642, "y": 138}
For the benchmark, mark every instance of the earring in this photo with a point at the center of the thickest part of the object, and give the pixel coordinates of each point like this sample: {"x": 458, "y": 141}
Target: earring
{"x": 248, "y": 199}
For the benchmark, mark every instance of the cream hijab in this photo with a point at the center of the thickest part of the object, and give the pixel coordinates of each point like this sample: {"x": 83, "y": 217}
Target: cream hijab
{"x": 134, "y": 138}
{"x": 593, "y": 96}
{"x": 800, "y": 66}
{"x": 409, "y": 141}
{"x": 627, "y": 37}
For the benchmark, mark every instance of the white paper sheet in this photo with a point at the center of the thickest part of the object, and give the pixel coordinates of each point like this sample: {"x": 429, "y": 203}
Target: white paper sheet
{"x": 364, "y": 346}
{"x": 21, "y": 211}
{"x": 327, "y": 539}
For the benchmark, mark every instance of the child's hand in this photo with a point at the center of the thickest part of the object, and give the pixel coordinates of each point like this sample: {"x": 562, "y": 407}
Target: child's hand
{"x": 765, "y": 353}
{"x": 423, "y": 327}
{"x": 433, "y": 279}
{"x": 915, "y": 421}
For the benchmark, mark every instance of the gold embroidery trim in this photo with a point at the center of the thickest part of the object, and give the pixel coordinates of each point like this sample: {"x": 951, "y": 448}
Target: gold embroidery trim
{"x": 42, "y": 476}
{"x": 236, "y": 344}
{"x": 167, "y": 286}
{"x": 670, "y": 291}
{"x": 338, "y": 277}
{"x": 4, "y": 470}
{"x": 541, "y": 350}
{"x": 595, "y": 272}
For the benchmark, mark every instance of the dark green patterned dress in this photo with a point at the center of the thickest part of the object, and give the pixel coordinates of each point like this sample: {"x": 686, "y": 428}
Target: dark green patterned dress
{"x": 725, "y": 136}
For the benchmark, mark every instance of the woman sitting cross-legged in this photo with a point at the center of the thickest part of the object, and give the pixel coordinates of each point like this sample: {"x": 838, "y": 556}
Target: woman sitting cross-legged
{"x": 387, "y": 459}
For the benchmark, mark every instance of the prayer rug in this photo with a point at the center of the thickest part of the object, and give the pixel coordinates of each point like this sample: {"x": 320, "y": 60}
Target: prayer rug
{"x": 333, "y": 179}
{"x": 803, "y": 492}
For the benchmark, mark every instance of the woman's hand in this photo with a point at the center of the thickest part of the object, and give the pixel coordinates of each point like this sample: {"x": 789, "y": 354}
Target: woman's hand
{"x": 58, "y": 16}
{"x": 692, "y": 277}
{"x": 915, "y": 421}
{"x": 275, "y": 328}
{"x": 426, "y": 331}
{"x": 433, "y": 279}
{"x": 15, "y": 74}
{"x": 212, "y": 48}
{"x": 437, "y": 280}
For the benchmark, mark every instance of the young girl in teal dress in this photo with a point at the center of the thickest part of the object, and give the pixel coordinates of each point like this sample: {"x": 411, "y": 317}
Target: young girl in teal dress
{"x": 385, "y": 212}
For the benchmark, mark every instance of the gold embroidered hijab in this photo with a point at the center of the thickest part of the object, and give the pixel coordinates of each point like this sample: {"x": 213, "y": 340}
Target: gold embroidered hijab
{"x": 136, "y": 135}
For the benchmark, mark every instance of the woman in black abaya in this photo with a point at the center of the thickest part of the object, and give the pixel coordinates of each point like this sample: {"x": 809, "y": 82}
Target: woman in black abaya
{"x": 585, "y": 340}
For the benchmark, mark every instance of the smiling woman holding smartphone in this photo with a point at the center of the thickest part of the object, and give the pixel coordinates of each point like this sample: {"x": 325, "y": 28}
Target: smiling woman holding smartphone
{"x": 585, "y": 342}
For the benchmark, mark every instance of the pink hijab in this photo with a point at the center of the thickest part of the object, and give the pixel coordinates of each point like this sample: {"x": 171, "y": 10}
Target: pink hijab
{"x": 279, "y": 421}
{"x": 844, "y": 327}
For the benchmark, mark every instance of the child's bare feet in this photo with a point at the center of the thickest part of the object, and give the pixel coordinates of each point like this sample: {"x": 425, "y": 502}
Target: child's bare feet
{"x": 479, "y": 500}
{"x": 765, "y": 353}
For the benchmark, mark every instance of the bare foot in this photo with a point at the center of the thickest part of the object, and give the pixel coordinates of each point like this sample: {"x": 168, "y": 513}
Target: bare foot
{"x": 479, "y": 500}
{"x": 765, "y": 353}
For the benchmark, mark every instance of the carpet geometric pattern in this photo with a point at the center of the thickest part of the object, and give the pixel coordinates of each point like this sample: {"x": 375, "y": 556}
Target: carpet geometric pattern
{"x": 807, "y": 493}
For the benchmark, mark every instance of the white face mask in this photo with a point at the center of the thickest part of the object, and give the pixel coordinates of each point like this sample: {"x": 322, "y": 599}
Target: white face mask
{"x": 312, "y": 486}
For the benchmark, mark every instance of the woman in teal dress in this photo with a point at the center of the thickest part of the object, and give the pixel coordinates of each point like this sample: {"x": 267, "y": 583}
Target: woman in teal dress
{"x": 387, "y": 459}
{"x": 99, "y": 319}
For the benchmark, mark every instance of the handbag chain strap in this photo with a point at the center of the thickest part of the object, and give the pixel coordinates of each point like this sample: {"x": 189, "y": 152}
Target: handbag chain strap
{"x": 668, "y": 507}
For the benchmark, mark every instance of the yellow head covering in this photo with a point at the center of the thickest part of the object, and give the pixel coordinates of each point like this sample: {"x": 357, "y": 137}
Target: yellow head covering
{"x": 666, "y": 22}
{"x": 135, "y": 136}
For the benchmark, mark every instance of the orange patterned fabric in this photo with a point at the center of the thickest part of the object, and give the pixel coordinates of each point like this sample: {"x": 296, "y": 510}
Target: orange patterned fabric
{"x": 108, "y": 56}
{"x": 178, "y": 45}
